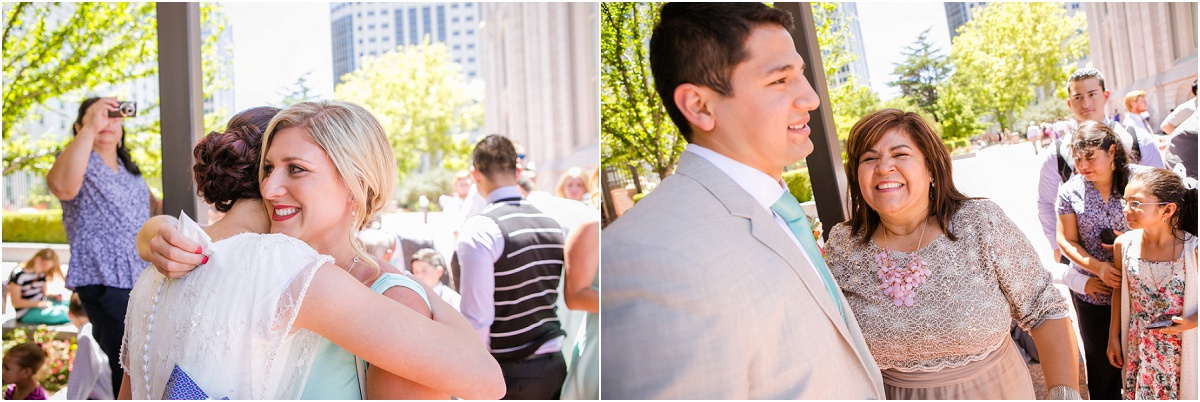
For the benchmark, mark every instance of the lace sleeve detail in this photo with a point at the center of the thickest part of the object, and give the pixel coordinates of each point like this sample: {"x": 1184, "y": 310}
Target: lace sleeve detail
{"x": 293, "y": 264}
{"x": 1027, "y": 285}
{"x": 835, "y": 249}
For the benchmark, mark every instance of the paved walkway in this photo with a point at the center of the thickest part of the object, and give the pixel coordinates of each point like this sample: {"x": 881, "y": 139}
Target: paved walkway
{"x": 1008, "y": 175}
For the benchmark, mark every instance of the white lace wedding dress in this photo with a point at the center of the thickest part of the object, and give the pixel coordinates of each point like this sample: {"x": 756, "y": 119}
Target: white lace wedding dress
{"x": 227, "y": 324}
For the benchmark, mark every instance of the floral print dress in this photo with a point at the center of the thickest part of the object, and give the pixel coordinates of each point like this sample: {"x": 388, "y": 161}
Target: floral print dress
{"x": 1153, "y": 359}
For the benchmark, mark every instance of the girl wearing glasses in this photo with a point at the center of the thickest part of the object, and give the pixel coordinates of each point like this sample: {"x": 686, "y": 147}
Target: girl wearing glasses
{"x": 1152, "y": 336}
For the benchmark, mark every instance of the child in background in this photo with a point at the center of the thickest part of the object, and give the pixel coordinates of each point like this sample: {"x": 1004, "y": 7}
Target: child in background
{"x": 1158, "y": 262}
{"x": 29, "y": 285}
{"x": 21, "y": 364}
{"x": 430, "y": 268}
{"x": 91, "y": 378}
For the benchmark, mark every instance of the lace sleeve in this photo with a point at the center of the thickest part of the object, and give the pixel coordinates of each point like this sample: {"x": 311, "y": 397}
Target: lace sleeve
{"x": 292, "y": 264}
{"x": 1028, "y": 286}
{"x": 839, "y": 242}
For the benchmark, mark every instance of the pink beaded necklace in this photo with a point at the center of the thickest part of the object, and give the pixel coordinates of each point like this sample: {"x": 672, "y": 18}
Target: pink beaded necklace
{"x": 901, "y": 283}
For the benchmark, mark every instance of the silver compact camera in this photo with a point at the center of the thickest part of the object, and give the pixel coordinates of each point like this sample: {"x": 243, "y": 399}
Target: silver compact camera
{"x": 125, "y": 109}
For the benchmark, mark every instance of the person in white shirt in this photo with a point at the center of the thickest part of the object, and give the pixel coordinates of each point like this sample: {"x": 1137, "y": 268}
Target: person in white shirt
{"x": 90, "y": 375}
{"x": 430, "y": 268}
{"x": 1181, "y": 113}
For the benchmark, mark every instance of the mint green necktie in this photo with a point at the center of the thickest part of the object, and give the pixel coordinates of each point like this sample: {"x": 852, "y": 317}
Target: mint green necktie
{"x": 789, "y": 209}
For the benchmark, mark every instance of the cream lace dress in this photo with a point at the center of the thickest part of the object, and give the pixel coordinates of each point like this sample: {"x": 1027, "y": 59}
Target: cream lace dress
{"x": 228, "y": 324}
{"x": 977, "y": 286}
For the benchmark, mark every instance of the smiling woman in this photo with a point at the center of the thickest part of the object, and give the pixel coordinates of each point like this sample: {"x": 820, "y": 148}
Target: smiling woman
{"x": 917, "y": 256}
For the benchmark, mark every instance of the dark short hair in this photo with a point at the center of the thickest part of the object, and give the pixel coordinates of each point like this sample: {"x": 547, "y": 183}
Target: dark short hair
{"x": 28, "y": 355}
{"x": 701, "y": 43}
{"x": 75, "y": 306}
{"x": 1094, "y": 135}
{"x": 226, "y": 168}
{"x": 1193, "y": 87}
{"x": 1083, "y": 74}
{"x": 494, "y": 155}
{"x": 946, "y": 199}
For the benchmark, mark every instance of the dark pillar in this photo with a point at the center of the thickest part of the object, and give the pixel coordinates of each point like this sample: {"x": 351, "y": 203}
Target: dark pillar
{"x": 825, "y": 163}
{"x": 182, "y": 102}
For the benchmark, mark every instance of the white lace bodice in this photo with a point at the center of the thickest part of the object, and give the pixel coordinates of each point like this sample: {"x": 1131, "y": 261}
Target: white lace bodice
{"x": 228, "y": 324}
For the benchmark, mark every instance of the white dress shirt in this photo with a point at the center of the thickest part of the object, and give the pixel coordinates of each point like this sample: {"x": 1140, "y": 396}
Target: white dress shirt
{"x": 90, "y": 378}
{"x": 765, "y": 189}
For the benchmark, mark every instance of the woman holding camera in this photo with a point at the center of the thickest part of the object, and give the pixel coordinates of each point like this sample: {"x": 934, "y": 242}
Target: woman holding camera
{"x": 104, "y": 201}
{"x": 1089, "y": 219}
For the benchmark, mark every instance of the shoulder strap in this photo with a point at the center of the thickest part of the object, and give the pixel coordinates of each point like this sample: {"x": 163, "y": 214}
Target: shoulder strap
{"x": 361, "y": 367}
{"x": 1064, "y": 170}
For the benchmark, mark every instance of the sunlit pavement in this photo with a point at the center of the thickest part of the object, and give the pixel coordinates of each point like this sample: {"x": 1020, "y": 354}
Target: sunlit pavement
{"x": 1008, "y": 175}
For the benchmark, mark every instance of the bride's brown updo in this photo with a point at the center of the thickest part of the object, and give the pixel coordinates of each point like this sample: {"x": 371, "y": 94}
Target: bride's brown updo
{"x": 226, "y": 168}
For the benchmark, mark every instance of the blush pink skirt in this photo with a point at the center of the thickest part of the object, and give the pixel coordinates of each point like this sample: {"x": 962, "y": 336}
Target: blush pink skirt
{"x": 1001, "y": 375}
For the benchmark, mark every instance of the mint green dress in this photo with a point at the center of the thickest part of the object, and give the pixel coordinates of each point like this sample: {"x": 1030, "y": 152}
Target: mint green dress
{"x": 583, "y": 379}
{"x": 333, "y": 374}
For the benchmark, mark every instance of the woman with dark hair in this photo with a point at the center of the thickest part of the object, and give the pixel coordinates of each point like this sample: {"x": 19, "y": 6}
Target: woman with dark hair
{"x": 104, "y": 201}
{"x": 1090, "y": 218}
{"x": 268, "y": 316}
{"x": 936, "y": 277}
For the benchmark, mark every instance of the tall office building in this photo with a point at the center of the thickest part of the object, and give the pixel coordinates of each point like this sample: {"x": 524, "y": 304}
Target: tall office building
{"x": 542, "y": 76}
{"x": 1144, "y": 46}
{"x": 361, "y": 30}
{"x": 958, "y": 13}
{"x": 858, "y": 67}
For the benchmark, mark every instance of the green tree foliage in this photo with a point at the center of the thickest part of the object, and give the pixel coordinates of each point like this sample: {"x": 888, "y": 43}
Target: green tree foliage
{"x": 66, "y": 51}
{"x": 1008, "y": 50}
{"x": 423, "y": 101}
{"x": 635, "y": 126}
{"x": 298, "y": 92}
{"x": 1047, "y": 110}
{"x": 958, "y": 113}
{"x": 850, "y": 100}
{"x": 923, "y": 69}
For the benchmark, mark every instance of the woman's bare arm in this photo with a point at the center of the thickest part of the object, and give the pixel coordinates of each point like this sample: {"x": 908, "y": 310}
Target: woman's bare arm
{"x": 1055, "y": 340}
{"x": 65, "y": 177}
{"x": 14, "y": 291}
{"x": 398, "y": 339}
{"x": 382, "y": 384}
{"x": 582, "y": 259}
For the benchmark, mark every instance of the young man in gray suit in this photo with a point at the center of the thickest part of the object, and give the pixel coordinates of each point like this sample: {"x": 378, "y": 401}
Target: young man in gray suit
{"x": 708, "y": 293}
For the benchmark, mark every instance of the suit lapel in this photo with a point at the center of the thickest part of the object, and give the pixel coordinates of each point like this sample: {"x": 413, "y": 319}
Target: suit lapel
{"x": 764, "y": 229}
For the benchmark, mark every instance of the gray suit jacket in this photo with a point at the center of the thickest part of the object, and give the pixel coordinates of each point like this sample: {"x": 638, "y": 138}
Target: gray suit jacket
{"x": 706, "y": 297}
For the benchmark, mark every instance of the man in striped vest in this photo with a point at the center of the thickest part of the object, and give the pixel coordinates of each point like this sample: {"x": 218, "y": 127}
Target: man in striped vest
{"x": 512, "y": 258}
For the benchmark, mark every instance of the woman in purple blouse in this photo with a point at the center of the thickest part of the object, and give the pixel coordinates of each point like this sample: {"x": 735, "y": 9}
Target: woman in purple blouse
{"x": 104, "y": 200}
{"x": 1089, "y": 218}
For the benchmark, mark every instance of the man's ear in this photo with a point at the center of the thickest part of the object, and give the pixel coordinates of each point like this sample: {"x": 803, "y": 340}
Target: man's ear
{"x": 692, "y": 101}
{"x": 475, "y": 174}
